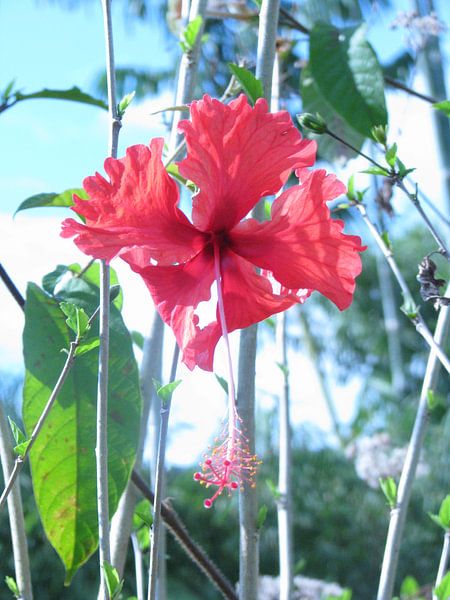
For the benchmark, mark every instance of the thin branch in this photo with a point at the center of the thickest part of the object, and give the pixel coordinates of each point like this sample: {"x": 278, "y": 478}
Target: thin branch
{"x": 248, "y": 501}
{"x": 159, "y": 483}
{"x": 177, "y": 528}
{"x": 138, "y": 567}
{"x": 187, "y": 75}
{"x": 398, "y": 514}
{"x": 16, "y": 519}
{"x": 416, "y": 317}
{"x": 284, "y": 499}
{"x": 401, "y": 86}
{"x": 151, "y": 365}
{"x": 415, "y": 200}
{"x": 445, "y": 555}
{"x": 11, "y": 287}
{"x": 101, "y": 449}
{"x": 20, "y": 460}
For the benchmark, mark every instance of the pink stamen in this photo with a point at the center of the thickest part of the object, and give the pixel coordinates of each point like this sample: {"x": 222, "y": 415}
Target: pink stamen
{"x": 230, "y": 463}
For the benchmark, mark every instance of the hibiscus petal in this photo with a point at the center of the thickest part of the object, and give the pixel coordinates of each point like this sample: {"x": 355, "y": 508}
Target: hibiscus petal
{"x": 249, "y": 296}
{"x": 236, "y": 155}
{"x": 302, "y": 245}
{"x": 177, "y": 291}
{"x": 136, "y": 207}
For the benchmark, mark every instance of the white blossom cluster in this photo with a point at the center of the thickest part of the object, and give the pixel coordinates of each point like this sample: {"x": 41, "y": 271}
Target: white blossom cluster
{"x": 305, "y": 588}
{"x": 375, "y": 457}
{"x": 418, "y": 28}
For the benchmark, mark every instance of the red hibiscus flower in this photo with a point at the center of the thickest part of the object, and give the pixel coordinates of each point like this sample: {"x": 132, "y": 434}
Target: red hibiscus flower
{"x": 236, "y": 155}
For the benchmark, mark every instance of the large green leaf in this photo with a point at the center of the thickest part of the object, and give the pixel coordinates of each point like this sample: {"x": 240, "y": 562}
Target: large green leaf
{"x": 347, "y": 73}
{"x": 63, "y": 459}
{"x": 73, "y": 94}
{"x": 329, "y": 148}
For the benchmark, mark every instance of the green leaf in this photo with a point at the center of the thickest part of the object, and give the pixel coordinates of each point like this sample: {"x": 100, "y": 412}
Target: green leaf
{"x": 143, "y": 538}
{"x": 222, "y": 382}
{"x": 138, "y": 339}
{"x": 409, "y": 307}
{"x": 347, "y": 73}
{"x": 436, "y": 519}
{"x": 125, "y": 103}
{"x": 402, "y": 170}
{"x": 83, "y": 348}
{"x": 92, "y": 275}
{"x": 283, "y": 368}
{"x": 443, "y": 106}
{"x": 173, "y": 170}
{"x": 442, "y": 591}
{"x": 77, "y": 319}
{"x": 63, "y": 457}
{"x": 7, "y": 91}
{"x": 18, "y": 434}
{"x": 389, "y": 488}
{"x": 262, "y": 516}
{"x": 73, "y": 94}
{"x": 273, "y": 489}
{"x": 165, "y": 392}
{"x": 432, "y": 401}
{"x": 51, "y": 200}
{"x": 376, "y": 171}
{"x": 12, "y": 586}
{"x": 51, "y": 280}
{"x": 314, "y": 102}
{"x": 387, "y": 241}
{"x": 190, "y": 34}
{"x": 113, "y": 581}
{"x": 251, "y": 86}
{"x": 391, "y": 155}
{"x": 142, "y": 514}
{"x": 444, "y": 512}
{"x": 409, "y": 587}
{"x": 21, "y": 449}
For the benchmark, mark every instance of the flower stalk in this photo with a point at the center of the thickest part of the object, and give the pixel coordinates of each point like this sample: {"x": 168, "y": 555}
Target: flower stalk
{"x": 399, "y": 512}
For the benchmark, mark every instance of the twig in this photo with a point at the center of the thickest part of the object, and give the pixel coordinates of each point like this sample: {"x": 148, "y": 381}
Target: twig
{"x": 445, "y": 554}
{"x": 20, "y": 460}
{"x": 187, "y": 75}
{"x": 101, "y": 449}
{"x": 16, "y": 519}
{"x": 248, "y": 501}
{"x": 12, "y": 287}
{"x": 401, "y": 86}
{"x": 184, "y": 538}
{"x": 138, "y": 567}
{"x": 159, "y": 483}
{"x": 415, "y": 200}
{"x": 398, "y": 514}
{"x": 284, "y": 499}
{"x": 416, "y": 317}
{"x": 150, "y": 369}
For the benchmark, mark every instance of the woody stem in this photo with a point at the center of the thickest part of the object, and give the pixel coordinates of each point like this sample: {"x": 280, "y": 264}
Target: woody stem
{"x": 232, "y": 411}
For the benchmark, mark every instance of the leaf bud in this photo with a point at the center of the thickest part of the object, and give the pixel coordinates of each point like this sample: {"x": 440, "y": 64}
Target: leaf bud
{"x": 313, "y": 122}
